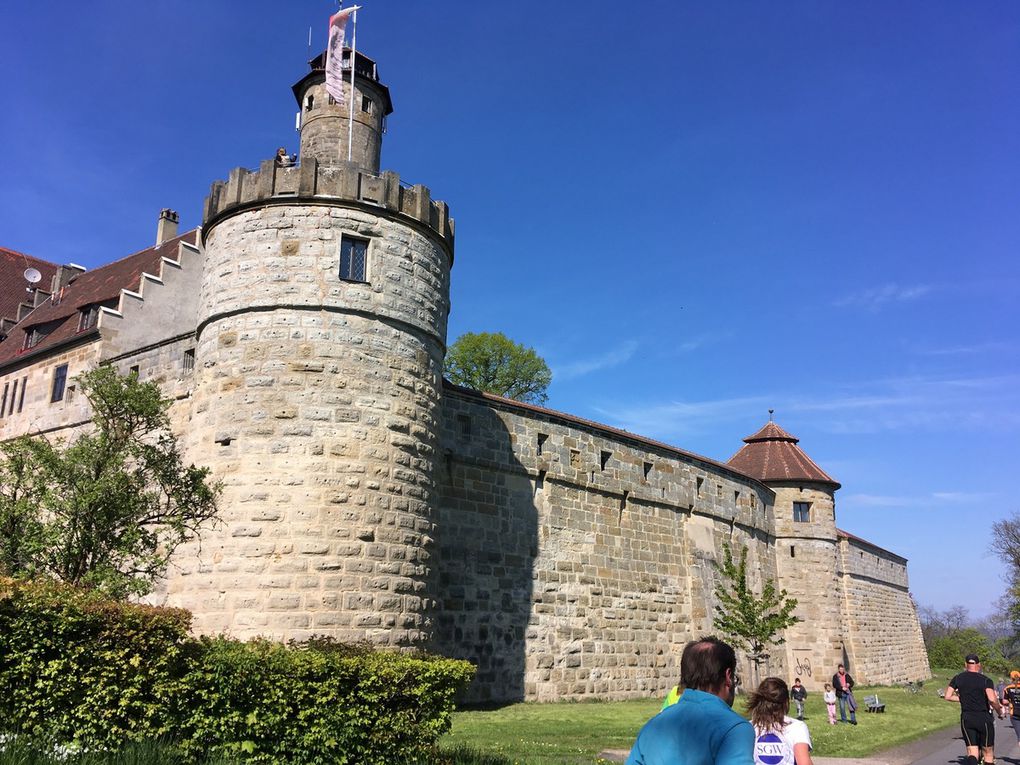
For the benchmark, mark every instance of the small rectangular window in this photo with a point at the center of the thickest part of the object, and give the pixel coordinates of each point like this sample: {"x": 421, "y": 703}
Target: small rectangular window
{"x": 366, "y": 104}
{"x": 59, "y": 381}
{"x": 353, "y": 259}
{"x": 465, "y": 424}
{"x": 21, "y": 398}
{"x": 189, "y": 360}
{"x": 134, "y": 370}
{"x": 604, "y": 458}
{"x": 648, "y": 469}
{"x": 88, "y": 317}
{"x": 70, "y": 394}
{"x": 542, "y": 438}
{"x": 802, "y": 512}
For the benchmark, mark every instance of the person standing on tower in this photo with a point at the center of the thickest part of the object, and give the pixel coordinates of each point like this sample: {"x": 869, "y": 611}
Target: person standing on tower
{"x": 976, "y": 695}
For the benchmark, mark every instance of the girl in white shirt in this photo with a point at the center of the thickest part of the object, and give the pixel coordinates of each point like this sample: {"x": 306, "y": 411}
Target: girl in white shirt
{"x": 778, "y": 738}
{"x": 830, "y": 703}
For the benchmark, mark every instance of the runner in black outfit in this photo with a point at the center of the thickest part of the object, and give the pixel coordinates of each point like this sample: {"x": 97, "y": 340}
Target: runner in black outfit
{"x": 976, "y": 694}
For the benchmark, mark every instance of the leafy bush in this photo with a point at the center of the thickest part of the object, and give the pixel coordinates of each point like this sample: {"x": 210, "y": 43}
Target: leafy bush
{"x": 98, "y": 674}
{"x": 273, "y": 703}
{"x": 85, "y": 670}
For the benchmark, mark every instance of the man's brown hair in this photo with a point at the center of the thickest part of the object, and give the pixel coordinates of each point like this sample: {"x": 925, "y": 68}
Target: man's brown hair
{"x": 704, "y": 663}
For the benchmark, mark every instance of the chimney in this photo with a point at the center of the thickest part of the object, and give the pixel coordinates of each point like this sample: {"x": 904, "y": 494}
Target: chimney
{"x": 167, "y": 228}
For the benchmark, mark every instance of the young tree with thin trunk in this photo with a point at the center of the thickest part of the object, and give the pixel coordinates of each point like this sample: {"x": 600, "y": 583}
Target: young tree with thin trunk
{"x": 751, "y": 622}
{"x": 108, "y": 509}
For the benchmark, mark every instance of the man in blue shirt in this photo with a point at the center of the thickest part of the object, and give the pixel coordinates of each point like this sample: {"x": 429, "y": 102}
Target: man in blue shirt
{"x": 700, "y": 729}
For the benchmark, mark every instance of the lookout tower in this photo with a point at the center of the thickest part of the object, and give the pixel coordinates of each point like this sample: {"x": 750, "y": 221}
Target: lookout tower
{"x": 320, "y": 342}
{"x": 325, "y": 124}
{"x": 807, "y": 552}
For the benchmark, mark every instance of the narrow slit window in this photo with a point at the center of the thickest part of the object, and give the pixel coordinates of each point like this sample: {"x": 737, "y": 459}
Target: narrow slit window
{"x": 21, "y": 398}
{"x": 647, "y": 469}
{"x": 3, "y": 402}
{"x": 701, "y": 482}
{"x": 542, "y": 438}
{"x": 353, "y": 259}
{"x": 59, "y": 383}
{"x": 604, "y": 458}
{"x": 793, "y": 553}
{"x": 14, "y": 397}
{"x": 309, "y": 103}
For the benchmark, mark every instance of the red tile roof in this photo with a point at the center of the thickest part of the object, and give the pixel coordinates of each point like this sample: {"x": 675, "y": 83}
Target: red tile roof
{"x": 12, "y": 280}
{"x": 772, "y": 454}
{"x": 98, "y": 286}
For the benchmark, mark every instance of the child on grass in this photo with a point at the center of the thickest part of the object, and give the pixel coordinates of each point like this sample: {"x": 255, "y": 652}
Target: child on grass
{"x": 830, "y": 703}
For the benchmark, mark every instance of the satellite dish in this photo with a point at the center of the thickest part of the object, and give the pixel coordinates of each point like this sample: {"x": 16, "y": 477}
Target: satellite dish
{"x": 32, "y": 275}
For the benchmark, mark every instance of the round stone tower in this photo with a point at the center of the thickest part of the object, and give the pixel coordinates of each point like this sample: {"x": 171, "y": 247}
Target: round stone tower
{"x": 807, "y": 549}
{"x": 325, "y": 124}
{"x": 320, "y": 342}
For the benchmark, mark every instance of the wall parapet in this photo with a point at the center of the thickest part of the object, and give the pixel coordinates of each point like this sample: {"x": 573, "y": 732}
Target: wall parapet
{"x": 345, "y": 181}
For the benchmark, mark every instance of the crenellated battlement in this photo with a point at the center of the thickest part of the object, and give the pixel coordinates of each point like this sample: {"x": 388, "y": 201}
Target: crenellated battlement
{"x": 344, "y": 182}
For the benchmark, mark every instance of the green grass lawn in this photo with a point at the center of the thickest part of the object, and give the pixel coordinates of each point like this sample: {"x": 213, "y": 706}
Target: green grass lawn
{"x": 574, "y": 733}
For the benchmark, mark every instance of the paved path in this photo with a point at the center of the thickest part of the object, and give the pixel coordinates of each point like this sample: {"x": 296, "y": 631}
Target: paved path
{"x": 943, "y": 747}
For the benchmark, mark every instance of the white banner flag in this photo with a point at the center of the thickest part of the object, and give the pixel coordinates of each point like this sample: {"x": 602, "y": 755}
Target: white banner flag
{"x": 335, "y": 54}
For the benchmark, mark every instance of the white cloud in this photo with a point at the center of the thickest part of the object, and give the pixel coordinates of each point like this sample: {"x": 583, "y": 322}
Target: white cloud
{"x": 921, "y": 404}
{"x": 930, "y": 500}
{"x": 875, "y": 298}
{"x": 611, "y": 358}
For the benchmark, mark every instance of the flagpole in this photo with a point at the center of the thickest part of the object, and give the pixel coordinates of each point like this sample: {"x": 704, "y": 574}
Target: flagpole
{"x": 354, "y": 58}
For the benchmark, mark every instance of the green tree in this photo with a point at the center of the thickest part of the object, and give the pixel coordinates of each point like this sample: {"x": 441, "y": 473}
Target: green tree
{"x": 1006, "y": 544}
{"x": 493, "y": 363}
{"x": 108, "y": 509}
{"x": 751, "y": 622}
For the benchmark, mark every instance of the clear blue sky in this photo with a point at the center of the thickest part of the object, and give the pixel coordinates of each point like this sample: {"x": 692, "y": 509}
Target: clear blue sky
{"x": 696, "y": 211}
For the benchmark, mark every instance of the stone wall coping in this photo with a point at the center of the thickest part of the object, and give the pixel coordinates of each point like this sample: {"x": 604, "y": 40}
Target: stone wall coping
{"x": 343, "y": 182}
{"x": 450, "y": 388}
{"x": 858, "y": 542}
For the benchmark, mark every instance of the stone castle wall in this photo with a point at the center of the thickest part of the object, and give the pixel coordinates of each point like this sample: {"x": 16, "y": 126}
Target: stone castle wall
{"x": 884, "y": 642}
{"x": 576, "y": 561}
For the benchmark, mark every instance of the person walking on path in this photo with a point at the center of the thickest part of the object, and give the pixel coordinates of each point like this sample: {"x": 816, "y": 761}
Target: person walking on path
{"x": 798, "y": 693}
{"x": 778, "y": 738}
{"x": 700, "y": 729}
{"x": 1011, "y": 700}
{"x": 830, "y": 703}
{"x": 976, "y": 695}
{"x": 843, "y": 685}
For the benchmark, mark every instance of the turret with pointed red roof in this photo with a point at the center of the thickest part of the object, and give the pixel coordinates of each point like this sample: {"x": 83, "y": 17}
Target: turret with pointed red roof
{"x": 807, "y": 552}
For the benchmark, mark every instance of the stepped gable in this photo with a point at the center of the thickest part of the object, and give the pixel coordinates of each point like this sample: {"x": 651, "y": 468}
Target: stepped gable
{"x": 102, "y": 285}
{"x": 12, "y": 280}
{"x": 772, "y": 454}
